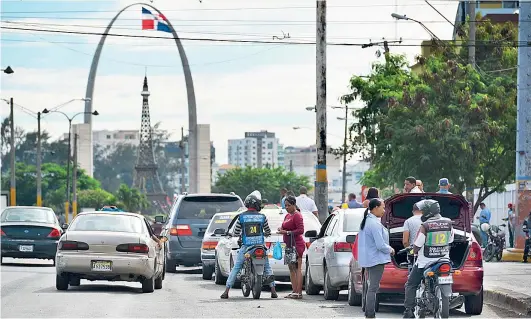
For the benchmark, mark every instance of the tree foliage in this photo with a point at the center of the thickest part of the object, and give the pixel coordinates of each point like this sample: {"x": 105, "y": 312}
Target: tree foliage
{"x": 131, "y": 199}
{"x": 243, "y": 181}
{"x": 451, "y": 120}
{"x": 95, "y": 198}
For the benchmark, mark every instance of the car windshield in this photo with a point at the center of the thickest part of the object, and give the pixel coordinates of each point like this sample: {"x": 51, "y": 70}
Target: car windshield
{"x": 352, "y": 222}
{"x": 34, "y": 215}
{"x": 220, "y": 221}
{"x": 205, "y": 207}
{"x": 107, "y": 222}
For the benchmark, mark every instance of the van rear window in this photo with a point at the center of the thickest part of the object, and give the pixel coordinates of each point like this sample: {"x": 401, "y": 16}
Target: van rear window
{"x": 205, "y": 207}
{"x": 450, "y": 208}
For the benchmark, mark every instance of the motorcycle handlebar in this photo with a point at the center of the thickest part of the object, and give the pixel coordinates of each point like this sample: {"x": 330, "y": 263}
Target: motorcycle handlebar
{"x": 405, "y": 250}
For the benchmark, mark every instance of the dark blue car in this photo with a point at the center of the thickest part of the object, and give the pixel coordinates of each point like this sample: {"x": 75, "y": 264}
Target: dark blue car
{"x": 187, "y": 223}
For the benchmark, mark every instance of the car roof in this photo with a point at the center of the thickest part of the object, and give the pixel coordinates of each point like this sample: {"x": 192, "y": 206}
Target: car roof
{"x": 350, "y": 211}
{"x": 209, "y": 194}
{"x": 98, "y": 212}
{"x": 226, "y": 213}
{"x": 30, "y": 207}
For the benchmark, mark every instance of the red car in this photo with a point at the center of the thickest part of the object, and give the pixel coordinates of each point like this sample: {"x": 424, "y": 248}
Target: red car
{"x": 465, "y": 254}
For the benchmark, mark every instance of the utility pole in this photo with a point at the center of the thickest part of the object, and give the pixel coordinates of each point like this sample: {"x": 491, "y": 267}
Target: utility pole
{"x": 291, "y": 165}
{"x": 344, "y": 190}
{"x": 472, "y": 33}
{"x": 321, "y": 182}
{"x": 67, "y": 201}
{"x": 183, "y": 163}
{"x": 523, "y": 123}
{"x": 12, "y": 190}
{"x": 39, "y": 159}
{"x": 74, "y": 179}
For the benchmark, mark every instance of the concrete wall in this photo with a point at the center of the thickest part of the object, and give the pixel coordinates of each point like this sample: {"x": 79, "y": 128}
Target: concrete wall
{"x": 205, "y": 181}
{"x": 84, "y": 147}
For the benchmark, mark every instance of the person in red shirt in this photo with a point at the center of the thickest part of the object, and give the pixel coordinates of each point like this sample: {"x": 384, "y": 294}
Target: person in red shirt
{"x": 293, "y": 225}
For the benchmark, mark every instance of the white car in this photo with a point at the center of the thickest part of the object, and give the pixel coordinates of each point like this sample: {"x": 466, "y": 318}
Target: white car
{"x": 226, "y": 250}
{"x": 329, "y": 255}
{"x": 112, "y": 246}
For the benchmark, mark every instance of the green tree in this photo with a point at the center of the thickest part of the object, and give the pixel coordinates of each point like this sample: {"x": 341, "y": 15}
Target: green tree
{"x": 114, "y": 165}
{"x": 95, "y": 198}
{"x": 451, "y": 120}
{"x": 131, "y": 199}
{"x": 243, "y": 181}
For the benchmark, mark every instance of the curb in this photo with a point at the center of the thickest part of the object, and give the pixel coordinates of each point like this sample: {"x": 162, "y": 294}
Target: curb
{"x": 509, "y": 300}
{"x": 510, "y": 255}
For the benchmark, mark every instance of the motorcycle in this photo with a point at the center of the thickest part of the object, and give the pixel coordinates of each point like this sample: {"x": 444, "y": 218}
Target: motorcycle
{"x": 252, "y": 274}
{"x": 434, "y": 295}
{"x": 495, "y": 244}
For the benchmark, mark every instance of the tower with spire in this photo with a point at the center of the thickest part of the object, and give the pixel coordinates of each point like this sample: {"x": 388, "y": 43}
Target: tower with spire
{"x": 146, "y": 177}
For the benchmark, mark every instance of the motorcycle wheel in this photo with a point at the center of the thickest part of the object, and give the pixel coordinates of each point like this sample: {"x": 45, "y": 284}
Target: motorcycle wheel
{"x": 257, "y": 286}
{"x": 488, "y": 254}
{"x": 419, "y": 311}
{"x": 443, "y": 308}
{"x": 499, "y": 255}
{"x": 245, "y": 285}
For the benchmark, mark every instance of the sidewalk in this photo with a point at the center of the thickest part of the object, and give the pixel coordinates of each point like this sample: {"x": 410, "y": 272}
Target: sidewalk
{"x": 508, "y": 285}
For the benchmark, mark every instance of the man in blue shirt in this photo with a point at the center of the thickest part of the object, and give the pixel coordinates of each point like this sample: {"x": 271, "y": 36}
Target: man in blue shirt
{"x": 484, "y": 217}
{"x": 444, "y": 186}
{"x": 283, "y": 193}
{"x": 352, "y": 202}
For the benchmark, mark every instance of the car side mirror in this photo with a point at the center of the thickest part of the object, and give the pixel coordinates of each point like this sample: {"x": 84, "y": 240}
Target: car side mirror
{"x": 159, "y": 219}
{"x": 311, "y": 234}
{"x": 219, "y": 231}
{"x": 351, "y": 239}
{"x": 64, "y": 226}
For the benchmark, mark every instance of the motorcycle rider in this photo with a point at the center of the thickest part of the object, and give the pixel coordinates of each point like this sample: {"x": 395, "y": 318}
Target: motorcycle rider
{"x": 250, "y": 235}
{"x": 433, "y": 243}
{"x": 526, "y": 227}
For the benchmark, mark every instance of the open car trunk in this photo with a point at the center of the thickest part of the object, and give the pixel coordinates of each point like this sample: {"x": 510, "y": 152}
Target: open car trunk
{"x": 400, "y": 207}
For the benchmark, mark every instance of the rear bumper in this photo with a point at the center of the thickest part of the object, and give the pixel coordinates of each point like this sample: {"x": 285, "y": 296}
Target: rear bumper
{"x": 208, "y": 257}
{"x": 183, "y": 255}
{"x": 42, "y": 249}
{"x": 122, "y": 266}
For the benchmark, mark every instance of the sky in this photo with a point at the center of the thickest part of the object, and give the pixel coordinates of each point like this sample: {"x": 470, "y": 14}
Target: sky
{"x": 239, "y": 87}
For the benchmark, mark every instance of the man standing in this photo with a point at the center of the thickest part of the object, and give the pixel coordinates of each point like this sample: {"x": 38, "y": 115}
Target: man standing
{"x": 511, "y": 218}
{"x": 410, "y": 185}
{"x": 305, "y": 203}
{"x": 444, "y": 186}
{"x": 412, "y": 226}
{"x": 526, "y": 228}
{"x": 484, "y": 218}
{"x": 283, "y": 193}
{"x": 420, "y": 185}
{"x": 352, "y": 202}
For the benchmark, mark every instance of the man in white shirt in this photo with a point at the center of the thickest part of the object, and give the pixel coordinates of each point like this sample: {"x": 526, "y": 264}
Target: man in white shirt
{"x": 410, "y": 185}
{"x": 305, "y": 203}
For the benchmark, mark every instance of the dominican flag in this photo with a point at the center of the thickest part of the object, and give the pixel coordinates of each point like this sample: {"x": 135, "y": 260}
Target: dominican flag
{"x": 151, "y": 21}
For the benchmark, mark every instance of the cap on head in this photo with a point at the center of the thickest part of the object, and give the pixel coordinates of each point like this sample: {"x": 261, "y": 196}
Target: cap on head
{"x": 510, "y": 205}
{"x": 444, "y": 182}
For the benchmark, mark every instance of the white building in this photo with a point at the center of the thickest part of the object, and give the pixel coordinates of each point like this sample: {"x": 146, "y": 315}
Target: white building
{"x": 302, "y": 160}
{"x": 220, "y": 170}
{"x": 106, "y": 138}
{"x": 354, "y": 174}
{"x": 257, "y": 149}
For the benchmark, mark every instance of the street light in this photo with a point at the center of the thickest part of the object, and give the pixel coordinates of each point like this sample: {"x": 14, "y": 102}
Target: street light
{"x": 404, "y": 17}
{"x": 67, "y": 202}
{"x": 8, "y": 70}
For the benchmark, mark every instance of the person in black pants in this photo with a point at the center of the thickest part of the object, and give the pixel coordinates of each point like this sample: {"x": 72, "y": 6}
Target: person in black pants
{"x": 525, "y": 228}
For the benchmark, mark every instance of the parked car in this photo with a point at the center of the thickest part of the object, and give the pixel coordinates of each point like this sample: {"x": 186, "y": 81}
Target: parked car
{"x": 228, "y": 245}
{"x": 465, "y": 252}
{"x": 210, "y": 241}
{"x": 29, "y": 232}
{"x": 187, "y": 223}
{"x": 113, "y": 247}
{"x": 329, "y": 255}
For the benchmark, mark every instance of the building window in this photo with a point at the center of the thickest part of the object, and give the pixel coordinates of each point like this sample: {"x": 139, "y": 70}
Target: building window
{"x": 511, "y": 4}
{"x": 108, "y": 137}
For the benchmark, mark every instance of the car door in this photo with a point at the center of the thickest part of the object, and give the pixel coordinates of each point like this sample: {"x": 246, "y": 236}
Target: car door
{"x": 159, "y": 251}
{"x": 224, "y": 247}
{"x": 317, "y": 250}
{"x": 332, "y": 237}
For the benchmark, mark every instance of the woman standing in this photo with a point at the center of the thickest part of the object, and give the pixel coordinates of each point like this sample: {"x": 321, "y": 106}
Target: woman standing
{"x": 373, "y": 251}
{"x": 372, "y": 193}
{"x": 293, "y": 229}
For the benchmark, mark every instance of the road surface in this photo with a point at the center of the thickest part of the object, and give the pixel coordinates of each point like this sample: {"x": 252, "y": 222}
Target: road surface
{"x": 28, "y": 291}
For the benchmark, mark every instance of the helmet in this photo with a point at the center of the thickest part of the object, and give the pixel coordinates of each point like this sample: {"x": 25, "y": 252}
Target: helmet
{"x": 254, "y": 201}
{"x": 485, "y": 227}
{"x": 429, "y": 208}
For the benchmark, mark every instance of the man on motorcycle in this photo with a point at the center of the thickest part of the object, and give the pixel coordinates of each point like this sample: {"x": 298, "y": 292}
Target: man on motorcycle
{"x": 250, "y": 235}
{"x": 526, "y": 227}
{"x": 433, "y": 242}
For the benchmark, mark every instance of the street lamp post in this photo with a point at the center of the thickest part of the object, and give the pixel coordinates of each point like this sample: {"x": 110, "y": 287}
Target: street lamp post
{"x": 67, "y": 201}
{"x": 39, "y": 172}
{"x": 344, "y": 178}
{"x": 404, "y": 17}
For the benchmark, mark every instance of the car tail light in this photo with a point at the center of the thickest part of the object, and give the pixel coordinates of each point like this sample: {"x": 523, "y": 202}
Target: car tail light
{"x": 444, "y": 268}
{"x": 342, "y": 247}
{"x": 2, "y": 232}
{"x": 259, "y": 253}
{"x": 475, "y": 257}
{"x": 209, "y": 245}
{"x": 133, "y": 248}
{"x": 181, "y": 230}
{"x": 54, "y": 234}
{"x": 308, "y": 244}
{"x": 73, "y": 245}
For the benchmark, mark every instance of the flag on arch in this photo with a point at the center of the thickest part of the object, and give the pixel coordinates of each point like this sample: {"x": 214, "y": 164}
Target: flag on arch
{"x": 154, "y": 21}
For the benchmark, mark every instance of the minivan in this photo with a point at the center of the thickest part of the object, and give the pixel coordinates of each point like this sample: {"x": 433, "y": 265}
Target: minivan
{"x": 187, "y": 223}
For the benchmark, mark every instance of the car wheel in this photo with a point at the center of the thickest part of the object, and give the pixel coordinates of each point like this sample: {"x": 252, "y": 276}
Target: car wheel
{"x": 474, "y": 304}
{"x": 148, "y": 285}
{"x": 75, "y": 281}
{"x": 158, "y": 282}
{"x": 207, "y": 272}
{"x": 330, "y": 293}
{"x": 171, "y": 266}
{"x": 219, "y": 278}
{"x": 354, "y": 299}
{"x": 61, "y": 282}
{"x": 311, "y": 288}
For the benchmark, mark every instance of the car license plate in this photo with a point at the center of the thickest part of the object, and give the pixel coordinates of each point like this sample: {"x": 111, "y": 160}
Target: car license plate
{"x": 446, "y": 280}
{"x": 101, "y": 265}
{"x": 25, "y": 248}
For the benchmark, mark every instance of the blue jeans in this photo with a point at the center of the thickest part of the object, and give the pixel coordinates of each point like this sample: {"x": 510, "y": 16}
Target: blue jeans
{"x": 484, "y": 238}
{"x": 238, "y": 266}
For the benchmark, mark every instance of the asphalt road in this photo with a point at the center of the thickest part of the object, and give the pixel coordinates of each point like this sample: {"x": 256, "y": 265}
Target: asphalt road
{"x": 28, "y": 291}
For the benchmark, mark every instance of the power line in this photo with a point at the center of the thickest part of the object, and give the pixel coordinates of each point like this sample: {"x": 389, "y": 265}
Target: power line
{"x": 496, "y": 44}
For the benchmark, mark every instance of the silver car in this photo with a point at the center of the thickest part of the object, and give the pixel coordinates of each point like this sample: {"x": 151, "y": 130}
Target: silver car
{"x": 329, "y": 254}
{"x": 111, "y": 246}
